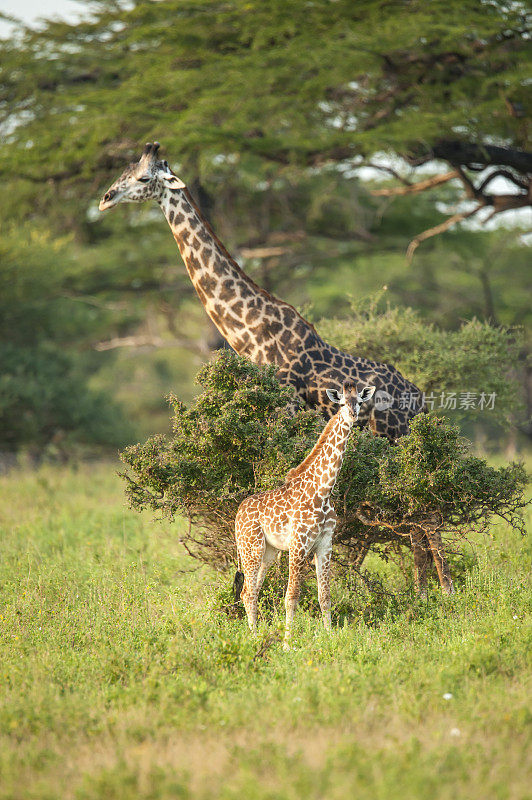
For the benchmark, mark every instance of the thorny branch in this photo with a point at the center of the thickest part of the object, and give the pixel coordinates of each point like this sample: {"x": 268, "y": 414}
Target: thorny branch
{"x": 513, "y": 166}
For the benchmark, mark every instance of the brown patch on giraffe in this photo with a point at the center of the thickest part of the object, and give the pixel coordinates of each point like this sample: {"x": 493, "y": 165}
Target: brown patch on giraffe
{"x": 193, "y": 263}
{"x": 236, "y": 307}
{"x": 227, "y": 292}
{"x": 218, "y": 266}
{"x": 204, "y": 236}
{"x": 285, "y": 338}
{"x": 219, "y": 313}
{"x": 244, "y": 290}
{"x": 208, "y": 283}
{"x": 271, "y": 352}
{"x": 252, "y": 316}
{"x": 288, "y": 317}
{"x": 241, "y": 341}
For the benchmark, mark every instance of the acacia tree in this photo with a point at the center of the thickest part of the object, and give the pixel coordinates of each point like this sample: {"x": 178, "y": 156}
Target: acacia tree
{"x": 239, "y": 437}
{"x": 266, "y": 107}
{"x": 286, "y": 83}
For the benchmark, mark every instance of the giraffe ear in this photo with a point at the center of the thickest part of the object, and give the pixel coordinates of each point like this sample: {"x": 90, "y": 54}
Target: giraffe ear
{"x": 170, "y": 180}
{"x": 366, "y": 394}
{"x": 334, "y": 395}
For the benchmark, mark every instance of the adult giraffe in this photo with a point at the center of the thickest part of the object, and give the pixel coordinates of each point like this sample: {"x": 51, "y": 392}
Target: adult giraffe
{"x": 263, "y": 328}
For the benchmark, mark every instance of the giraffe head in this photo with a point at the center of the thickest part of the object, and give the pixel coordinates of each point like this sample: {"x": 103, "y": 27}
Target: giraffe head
{"x": 350, "y": 399}
{"x": 141, "y": 180}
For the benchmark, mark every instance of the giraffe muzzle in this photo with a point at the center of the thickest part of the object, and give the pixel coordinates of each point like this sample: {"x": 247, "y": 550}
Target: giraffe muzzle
{"x": 108, "y": 200}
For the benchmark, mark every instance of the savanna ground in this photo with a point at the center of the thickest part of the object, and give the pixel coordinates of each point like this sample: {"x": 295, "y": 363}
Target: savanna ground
{"x": 121, "y": 678}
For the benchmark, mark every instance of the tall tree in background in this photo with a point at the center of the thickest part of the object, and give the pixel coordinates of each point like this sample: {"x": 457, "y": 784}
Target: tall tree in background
{"x": 290, "y": 82}
{"x": 272, "y": 109}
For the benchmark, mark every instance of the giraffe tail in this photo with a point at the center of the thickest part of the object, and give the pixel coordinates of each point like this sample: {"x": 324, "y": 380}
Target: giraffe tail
{"x": 238, "y": 585}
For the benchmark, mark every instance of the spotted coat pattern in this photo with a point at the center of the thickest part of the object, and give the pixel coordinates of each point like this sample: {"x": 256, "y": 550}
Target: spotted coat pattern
{"x": 255, "y": 323}
{"x": 259, "y": 326}
{"x": 269, "y": 331}
{"x": 298, "y": 518}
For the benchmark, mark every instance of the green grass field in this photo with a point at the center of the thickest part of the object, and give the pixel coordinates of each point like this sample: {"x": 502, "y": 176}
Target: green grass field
{"x": 121, "y": 678}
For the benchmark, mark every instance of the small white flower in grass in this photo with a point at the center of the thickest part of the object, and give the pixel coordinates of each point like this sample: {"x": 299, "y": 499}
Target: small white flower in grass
{"x": 447, "y": 696}
{"x": 455, "y": 732}
{"x": 297, "y": 699}
{"x": 515, "y": 616}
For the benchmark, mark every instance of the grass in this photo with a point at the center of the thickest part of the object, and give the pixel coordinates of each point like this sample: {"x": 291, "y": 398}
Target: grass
{"x": 120, "y": 678}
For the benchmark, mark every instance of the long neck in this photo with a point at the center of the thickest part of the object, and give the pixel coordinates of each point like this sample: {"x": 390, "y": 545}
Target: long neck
{"x": 253, "y": 322}
{"x": 323, "y": 463}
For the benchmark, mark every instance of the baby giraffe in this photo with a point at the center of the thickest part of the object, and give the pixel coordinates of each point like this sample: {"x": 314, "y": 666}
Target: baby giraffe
{"x": 298, "y": 517}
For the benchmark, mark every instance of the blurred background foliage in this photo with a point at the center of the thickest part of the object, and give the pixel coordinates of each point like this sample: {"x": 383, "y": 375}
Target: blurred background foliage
{"x": 271, "y": 112}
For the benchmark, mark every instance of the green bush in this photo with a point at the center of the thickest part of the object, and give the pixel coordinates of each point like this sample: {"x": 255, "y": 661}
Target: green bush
{"x": 239, "y": 438}
{"x": 476, "y": 357}
{"x": 427, "y": 480}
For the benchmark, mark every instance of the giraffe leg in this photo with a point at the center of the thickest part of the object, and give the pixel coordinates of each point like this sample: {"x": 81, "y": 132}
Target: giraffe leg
{"x": 322, "y": 560}
{"x": 269, "y": 556}
{"x": 249, "y": 595}
{"x": 421, "y": 563}
{"x": 296, "y": 564}
{"x": 251, "y": 546}
{"x": 442, "y": 567}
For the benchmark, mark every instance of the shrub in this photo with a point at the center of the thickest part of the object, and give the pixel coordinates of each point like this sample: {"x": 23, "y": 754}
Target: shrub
{"x": 239, "y": 437}
{"x": 476, "y": 358}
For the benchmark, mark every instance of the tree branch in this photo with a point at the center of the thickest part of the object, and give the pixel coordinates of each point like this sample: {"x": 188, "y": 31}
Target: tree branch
{"x": 471, "y": 191}
{"x": 414, "y": 188}
{"x": 444, "y": 226}
{"x": 389, "y": 170}
{"x": 466, "y": 153}
{"x": 503, "y": 173}
{"x": 150, "y": 341}
{"x": 263, "y": 252}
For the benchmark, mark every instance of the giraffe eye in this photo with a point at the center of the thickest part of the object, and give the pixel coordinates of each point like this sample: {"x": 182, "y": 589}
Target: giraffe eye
{"x": 144, "y": 179}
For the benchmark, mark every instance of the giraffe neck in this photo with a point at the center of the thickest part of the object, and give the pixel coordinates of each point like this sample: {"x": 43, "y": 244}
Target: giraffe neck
{"x": 253, "y": 322}
{"x": 322, "y": 465}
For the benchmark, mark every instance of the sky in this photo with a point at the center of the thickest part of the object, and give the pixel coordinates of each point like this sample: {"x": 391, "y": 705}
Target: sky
{"x": 31, "y": 10}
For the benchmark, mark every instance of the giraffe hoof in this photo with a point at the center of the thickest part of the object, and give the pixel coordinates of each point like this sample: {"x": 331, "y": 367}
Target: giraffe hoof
{"x": 449, "y": 589}
{"x": 286, "y": 646}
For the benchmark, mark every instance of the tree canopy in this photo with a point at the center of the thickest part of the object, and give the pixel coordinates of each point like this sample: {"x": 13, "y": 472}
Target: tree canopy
{"x": 269, "y": 111}
{"x": 239, "y": 437}
{"x": 287, "y": 83}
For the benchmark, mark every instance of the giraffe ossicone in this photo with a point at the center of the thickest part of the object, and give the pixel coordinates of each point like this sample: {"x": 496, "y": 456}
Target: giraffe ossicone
{"x": 268, "y": 330}
{"x": 298, "y": 517}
